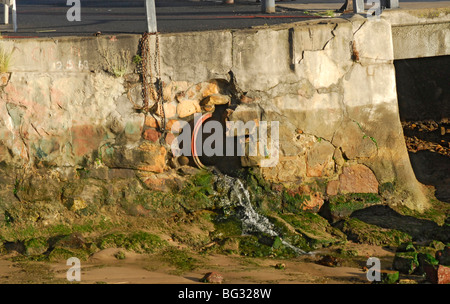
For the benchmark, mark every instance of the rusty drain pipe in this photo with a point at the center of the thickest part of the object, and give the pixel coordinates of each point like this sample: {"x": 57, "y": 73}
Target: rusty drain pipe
{"x": 197, "y": 127}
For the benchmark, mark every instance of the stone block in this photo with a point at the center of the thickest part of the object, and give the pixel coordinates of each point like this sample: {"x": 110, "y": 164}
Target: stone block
{"x": 151, "y": 135}
{"x": 164, "y": 182}
{"x": 333, "y": 187}
{"x": 146, "y": 157}
{"x": 187, "y": 108}
{"x": 246, "y": 113}
{"x": 357, "y": 179}
{"x": 170, "y": 110}
{"x": 152, "y": 121}
{"x": 353, "y": 141}
{"x": 319, "y": 159}
{"x": 215, "y": 99}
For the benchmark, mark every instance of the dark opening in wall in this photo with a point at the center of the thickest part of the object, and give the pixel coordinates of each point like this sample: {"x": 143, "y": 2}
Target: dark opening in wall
{"x": 423, "y": 89}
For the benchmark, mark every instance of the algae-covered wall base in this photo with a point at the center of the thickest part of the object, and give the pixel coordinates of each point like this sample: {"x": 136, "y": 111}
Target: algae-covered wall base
{"x": 72, "y": 108}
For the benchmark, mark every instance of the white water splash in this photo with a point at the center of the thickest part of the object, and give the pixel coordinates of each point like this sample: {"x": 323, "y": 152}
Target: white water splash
{"x": 252, "y": 221}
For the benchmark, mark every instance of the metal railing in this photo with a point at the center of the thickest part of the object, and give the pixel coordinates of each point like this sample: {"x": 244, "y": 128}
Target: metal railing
{"x": 12, "y": 4}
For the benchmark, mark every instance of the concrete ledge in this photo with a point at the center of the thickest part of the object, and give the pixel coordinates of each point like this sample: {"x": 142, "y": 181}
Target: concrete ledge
{"x": 422, "y": 40}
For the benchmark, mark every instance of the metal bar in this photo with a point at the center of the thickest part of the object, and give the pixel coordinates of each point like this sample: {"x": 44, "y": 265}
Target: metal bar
{"x": 392, "y": 4}
{"x": 6, "y": 14}
{"x": 151, "y": 16}
{"x": 14, "y": 15}
{"x": 268, "y": 6}
{"x": 358, "y": 6}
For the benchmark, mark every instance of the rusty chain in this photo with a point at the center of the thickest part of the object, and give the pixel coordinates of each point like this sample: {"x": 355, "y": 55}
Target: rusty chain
{"x": 152, "y": 84}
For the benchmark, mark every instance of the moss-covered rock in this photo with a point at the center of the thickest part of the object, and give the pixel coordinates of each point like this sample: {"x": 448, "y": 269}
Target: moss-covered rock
{"x": 226, "y": 227}
{"x": 342, "y": 206}
{"x": 437, "y": 245}
{"x": 424, "y": 260}
{"x": 361, "y": 232}
{"x": 315, "y": 228}
{"x": 388, "y": 277}
{"x": 36, "y": 246}
{"x": 60, "y": 254}
{"x": 250, "y": 246}
{"x": 140, "y": 241}
{"x": 405, "y": 262}
{"x": 443, "y": 256}
{"x": 406, "y": 247}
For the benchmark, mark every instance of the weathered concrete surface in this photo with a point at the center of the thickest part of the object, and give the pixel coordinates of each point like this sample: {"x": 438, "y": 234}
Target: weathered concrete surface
{"x": 420, "y": 33}
{"x": 72, "y": 107}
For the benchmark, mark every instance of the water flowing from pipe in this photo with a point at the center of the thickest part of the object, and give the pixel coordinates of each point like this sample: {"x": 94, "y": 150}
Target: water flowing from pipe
{"x": 252, "y": 221}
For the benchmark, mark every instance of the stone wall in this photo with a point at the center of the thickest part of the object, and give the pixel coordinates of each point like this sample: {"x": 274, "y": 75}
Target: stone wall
{"x": 72, "y": 107}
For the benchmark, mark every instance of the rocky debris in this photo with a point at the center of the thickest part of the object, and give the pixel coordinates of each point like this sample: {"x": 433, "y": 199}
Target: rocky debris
{"x": 413, "y": 258}
{"x": 427, "y": 135}
{"x": 280, "y": 266}
{"x": 212, "y": 277}
{"x": 329, "y": 261}
{"x": 407, "y": 281}
{"x": 405, "y": 262}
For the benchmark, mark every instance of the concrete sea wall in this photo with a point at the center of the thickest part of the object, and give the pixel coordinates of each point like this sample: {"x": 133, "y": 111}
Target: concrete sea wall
{"x": 72, "y": 107}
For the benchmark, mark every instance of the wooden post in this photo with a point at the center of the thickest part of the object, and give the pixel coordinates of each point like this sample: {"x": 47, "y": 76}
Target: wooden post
{"x": 151, "y": 16}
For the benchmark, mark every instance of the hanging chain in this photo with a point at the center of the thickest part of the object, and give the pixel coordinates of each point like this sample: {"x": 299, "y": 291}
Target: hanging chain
{"x": 152, "y": 84}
